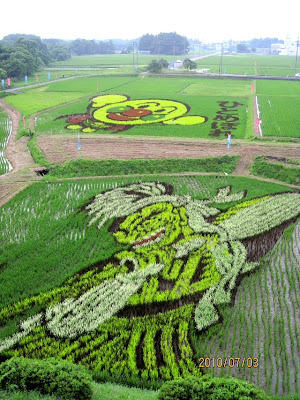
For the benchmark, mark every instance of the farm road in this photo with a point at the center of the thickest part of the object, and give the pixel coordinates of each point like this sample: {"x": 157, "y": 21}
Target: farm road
{"x": 59, "y": 149}
{"x": 47, "y": 82}
{"x": 19, "y": 156}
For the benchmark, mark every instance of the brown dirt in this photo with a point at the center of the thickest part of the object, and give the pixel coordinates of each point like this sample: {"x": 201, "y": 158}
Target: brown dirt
{"x": 9, "y": 190}
{"x": 17, "y": 151}
{"x": 59, "y": 149}
{"x": 19, "y": 157}
{"x": 255, "y": 116}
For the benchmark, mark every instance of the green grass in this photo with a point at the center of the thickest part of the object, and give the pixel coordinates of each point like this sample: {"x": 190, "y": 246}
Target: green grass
{"x": 109, "y": 60}
{"x": 251, "y": 64}
{"x": 276, "y": 170}
{"x": 36, "y": 100}
{"x": 16, "y": 395}
{"x": 36, "y": 153}
{"x": 89, "y": 85}
{"x": 277, "y": 88}
{"x": 61, "y": 73}
{"x": 101, "y": 391}
{"x": 118, "y": 167}
{"x": 207, "y": 87}
{"x": 279, "y": 115}
{"x": 41, "y": 98}
{"x": 279, "y": 104}
{"x": 109, "y": 391}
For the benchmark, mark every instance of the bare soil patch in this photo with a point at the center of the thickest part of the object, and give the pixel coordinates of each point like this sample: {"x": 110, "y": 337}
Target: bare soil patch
{"x": 9, "y": 190}
{"x": 59, "y": 149}
{"x": 16, "y": 151}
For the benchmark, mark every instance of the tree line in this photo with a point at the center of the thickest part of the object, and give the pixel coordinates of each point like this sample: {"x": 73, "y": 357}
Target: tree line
{"x": 164, "y": 43}
{"x": 22, "y": 54}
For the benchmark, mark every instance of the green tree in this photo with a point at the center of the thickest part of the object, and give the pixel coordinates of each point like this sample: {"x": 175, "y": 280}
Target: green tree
{"x": 21, "y": 56}
{"x": 83, "y": 46}
{"x": 3, "y": 74}
{"x": 164, "y": 63}
{"x": 242, "y": 48}
{"x": 36, "y": 48}
{"x": 164, "y": 43}
{"x": 146, "y": 42}
{"x": 14, "y": 37}
{"x": 154, "y": 66}
{"x": 59, "y": 53}
{"x": 189, "y": 64}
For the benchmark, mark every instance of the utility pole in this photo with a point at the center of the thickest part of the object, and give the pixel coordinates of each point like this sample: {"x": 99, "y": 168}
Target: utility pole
{"x": 296, "y": 56}
{"x": 133, "y": 57}
{"x": 137, "y": 58}
{"x": 221, "y": 61}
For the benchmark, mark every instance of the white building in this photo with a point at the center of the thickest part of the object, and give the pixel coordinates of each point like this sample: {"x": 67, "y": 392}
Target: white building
{"x": 288, "y": 48}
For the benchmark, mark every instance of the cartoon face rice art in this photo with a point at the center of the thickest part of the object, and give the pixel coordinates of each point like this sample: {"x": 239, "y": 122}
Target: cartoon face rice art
{"x": 116, "y": 112}
{"x": 162, "y": 229}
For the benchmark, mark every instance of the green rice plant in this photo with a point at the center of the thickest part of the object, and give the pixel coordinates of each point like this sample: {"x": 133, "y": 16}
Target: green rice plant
{"x": 277, "y": 369}
{"x": 279, "y": 171}
{"x": 104, "y": 60}
{"x": 5, "y": 131}
{"x": 249, "y": 65}
{"x": 83, "y": 167}
{"x": 200, "y": 97}
{"x": 73, "y": 282}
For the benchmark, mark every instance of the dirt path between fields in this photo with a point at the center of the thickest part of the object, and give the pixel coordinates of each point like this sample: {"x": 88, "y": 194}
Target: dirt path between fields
{"x": 19, "y": 156}
{"x": 16, "y": 152}
{"x": 59, "y": 149}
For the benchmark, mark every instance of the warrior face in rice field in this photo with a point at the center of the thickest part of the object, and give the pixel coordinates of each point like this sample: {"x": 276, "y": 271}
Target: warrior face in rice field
{"x": 185, "y": 243}
{"x": 119, "y": 113}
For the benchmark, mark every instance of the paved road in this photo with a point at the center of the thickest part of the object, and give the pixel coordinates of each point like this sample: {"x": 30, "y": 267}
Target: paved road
{"x": 43, "y": 83}
{"x": 206, "y": 56}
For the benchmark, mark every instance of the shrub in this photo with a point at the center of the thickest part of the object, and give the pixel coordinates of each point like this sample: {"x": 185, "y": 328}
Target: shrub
{"x": 210, "y": 388}
{"x": 190, "y": 388}
{"x": 60, "y": 378}
{"x": 231, "y": 389}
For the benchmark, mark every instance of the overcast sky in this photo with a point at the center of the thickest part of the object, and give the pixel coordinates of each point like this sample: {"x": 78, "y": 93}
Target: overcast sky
{"x": 208, "y": 20}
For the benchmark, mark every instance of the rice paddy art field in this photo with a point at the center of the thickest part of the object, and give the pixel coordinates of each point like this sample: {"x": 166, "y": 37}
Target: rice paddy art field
{"x": 159, "y": 271}
{"x": 161, "y": 274}
{"x": 156, "y": 106}
{"x": 175, "y": 107}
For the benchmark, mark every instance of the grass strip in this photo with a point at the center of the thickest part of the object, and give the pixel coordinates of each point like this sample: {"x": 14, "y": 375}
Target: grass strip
{"x": 279, "y": 171}
{"x": 83, "y": 167}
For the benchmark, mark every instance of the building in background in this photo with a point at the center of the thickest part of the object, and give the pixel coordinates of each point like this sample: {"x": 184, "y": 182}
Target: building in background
{"x": 288, "y": 48}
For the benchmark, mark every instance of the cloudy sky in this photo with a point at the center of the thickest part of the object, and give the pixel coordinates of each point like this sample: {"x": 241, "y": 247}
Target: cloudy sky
{"x": 208, "y": 20}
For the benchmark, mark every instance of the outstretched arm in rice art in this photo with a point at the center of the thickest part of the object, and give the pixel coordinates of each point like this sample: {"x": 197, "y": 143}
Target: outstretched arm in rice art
{"x": 165, "y": 231}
